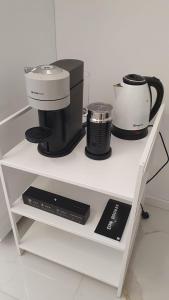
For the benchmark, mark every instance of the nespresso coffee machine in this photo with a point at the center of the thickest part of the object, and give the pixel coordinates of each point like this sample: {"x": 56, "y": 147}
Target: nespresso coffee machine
{"x": 56, "y": 91}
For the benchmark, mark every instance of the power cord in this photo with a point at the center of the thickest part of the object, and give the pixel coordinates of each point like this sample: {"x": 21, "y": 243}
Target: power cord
{"x": 162, "y": 167}
{"x": 145, "y": 214}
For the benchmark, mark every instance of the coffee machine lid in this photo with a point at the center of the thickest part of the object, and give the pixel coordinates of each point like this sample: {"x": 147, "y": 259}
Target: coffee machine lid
{"x": 47, "y": 72}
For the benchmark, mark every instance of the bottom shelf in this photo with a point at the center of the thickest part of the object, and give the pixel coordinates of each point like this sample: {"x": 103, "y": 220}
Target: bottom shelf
{"x": 84, "y": 256}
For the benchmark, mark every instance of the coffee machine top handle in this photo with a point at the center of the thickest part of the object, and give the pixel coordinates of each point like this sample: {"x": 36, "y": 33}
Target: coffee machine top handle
{"x": 28, "y": 69}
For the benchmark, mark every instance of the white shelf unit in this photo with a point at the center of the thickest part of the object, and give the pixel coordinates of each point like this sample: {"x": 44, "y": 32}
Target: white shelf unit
{"x": 76, "y": 246}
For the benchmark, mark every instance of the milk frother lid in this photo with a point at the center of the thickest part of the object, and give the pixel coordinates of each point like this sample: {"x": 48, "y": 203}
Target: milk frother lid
{"x": 99, "y": 112}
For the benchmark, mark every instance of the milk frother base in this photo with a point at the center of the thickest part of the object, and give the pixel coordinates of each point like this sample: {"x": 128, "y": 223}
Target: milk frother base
{"x": 98, "y": 156}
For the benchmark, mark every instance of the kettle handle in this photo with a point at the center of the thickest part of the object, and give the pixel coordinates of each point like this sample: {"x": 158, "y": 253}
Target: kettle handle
{"x": 157, "y": 84}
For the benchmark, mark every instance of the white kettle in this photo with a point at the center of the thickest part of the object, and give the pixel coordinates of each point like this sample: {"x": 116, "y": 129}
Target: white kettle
{"x": 133, "y": 106}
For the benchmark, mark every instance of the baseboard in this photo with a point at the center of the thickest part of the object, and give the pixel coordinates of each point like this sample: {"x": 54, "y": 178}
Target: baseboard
{"x": 5, "y": 225}
{"x": 161, "y": 203}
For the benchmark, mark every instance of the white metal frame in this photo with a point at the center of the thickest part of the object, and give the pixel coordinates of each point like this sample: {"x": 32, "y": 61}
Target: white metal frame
{"x": 25, "y": 179}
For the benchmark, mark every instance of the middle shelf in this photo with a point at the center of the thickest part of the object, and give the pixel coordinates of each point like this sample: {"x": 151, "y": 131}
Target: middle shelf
{"x": 97, "y": 204}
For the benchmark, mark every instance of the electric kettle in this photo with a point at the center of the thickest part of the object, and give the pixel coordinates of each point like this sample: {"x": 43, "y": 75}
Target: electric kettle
{"x": 132, "y": 106}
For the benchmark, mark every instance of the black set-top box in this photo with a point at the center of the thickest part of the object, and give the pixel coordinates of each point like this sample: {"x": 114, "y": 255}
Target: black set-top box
{"x": 61, "y": 206}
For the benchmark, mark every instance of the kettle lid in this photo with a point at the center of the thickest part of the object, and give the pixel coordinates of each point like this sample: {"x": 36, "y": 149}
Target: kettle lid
{"x": 134, "y": 79}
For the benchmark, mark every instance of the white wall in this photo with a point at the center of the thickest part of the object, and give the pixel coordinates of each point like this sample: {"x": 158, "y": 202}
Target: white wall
{"x": 115, "y": 38}
{"x": 27, "y": 37}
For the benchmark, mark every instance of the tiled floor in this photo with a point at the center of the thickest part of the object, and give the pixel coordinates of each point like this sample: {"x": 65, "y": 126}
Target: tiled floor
{"x": 31, "y": 278}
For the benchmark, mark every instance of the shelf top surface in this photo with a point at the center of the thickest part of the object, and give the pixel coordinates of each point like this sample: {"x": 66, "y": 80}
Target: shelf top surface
{"x": 115, "y": 176}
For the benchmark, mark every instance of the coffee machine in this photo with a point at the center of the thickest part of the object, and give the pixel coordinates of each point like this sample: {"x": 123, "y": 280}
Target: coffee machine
{"x": 56, "y": 91}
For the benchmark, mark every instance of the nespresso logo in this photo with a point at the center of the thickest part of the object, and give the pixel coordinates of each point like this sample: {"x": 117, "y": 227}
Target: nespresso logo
{"x": 113, "y": 218}
{"x": 37, "y": 93}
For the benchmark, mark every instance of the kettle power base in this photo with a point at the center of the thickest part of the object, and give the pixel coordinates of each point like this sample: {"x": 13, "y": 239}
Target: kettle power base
{"x": 129, "y": 134}
{"x": 68, "y": 149}
{"x": 98, "y": 156}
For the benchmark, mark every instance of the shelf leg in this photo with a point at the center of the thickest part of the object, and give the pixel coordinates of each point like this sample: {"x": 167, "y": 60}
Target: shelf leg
{"x": 12, "y": 220}
{"x": 133, "y": 226}
{"x": 21, "y": 252}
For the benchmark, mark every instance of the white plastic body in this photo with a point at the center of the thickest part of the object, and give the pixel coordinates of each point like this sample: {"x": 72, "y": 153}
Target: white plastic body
{"x": 48, "y": 92}
{"x": 131, "y": 106}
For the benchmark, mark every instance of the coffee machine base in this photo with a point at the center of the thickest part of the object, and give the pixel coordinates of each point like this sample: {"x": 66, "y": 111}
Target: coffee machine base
{"x": 68, "y": 149}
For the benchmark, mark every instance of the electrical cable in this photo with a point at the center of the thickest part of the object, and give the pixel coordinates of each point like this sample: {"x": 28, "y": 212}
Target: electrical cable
{"x": 145, "y": 214}
{"x": 163, "y": 166}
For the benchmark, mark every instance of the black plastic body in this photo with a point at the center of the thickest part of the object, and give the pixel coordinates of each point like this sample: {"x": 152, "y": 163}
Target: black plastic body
{"x": 65, "y": 124}
{"x": 98, "y": 140}
{"x": 61, "y": 206}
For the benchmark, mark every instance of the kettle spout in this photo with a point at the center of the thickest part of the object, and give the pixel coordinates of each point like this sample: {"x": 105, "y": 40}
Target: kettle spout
{"x": 118, "y": 89}
{"x": 117, "y": 85}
